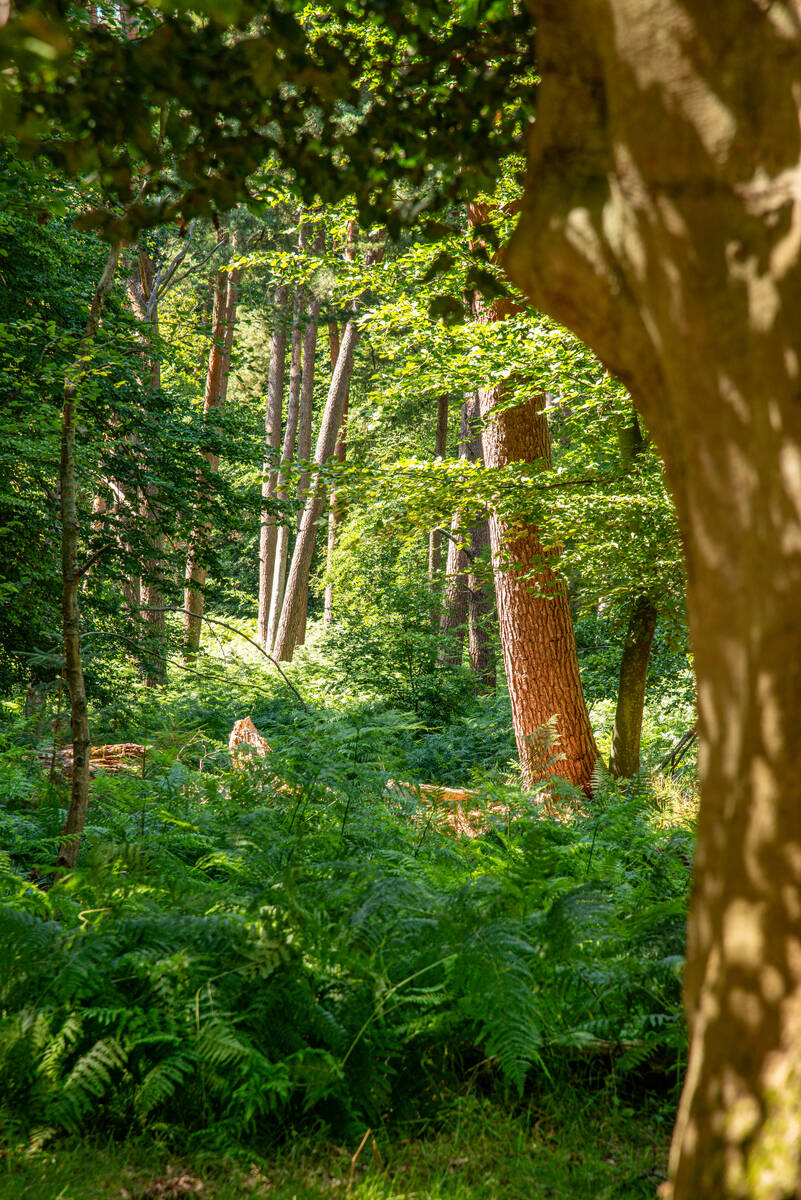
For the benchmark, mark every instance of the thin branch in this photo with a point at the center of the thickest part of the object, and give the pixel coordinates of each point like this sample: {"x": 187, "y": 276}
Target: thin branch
{"x": 176, "y": 662}
{"x": 196, "y": 266}
{"x": 471, "y": 557}
{"x": 231, "y": 629}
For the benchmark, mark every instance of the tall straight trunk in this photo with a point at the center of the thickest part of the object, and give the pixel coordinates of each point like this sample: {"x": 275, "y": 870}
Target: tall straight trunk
{"x": 287, "y": 454}
{"x": 335, "y": 511}
{"x": 226, "y": 299}
{"x": 436, "y": 535}
{"x": 272, "y": 443}
{"x": 306, "y": 407}
{"x": 70, "y": 581}
{"x": 624, "y": 760}
{"x": 298, "y": 577}
{"x": 480, "y": 611}
{"x": 453, "y": 615}
{"x": 145, "y": 306}
{"x": 535, "y": 623}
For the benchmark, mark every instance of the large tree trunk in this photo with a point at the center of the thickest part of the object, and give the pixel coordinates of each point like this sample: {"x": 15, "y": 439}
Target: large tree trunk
{"x": 70, "y": 581}
{"x": 662, "y": 224}
{"x": 287, "y": 453}
{"x": 624, "y": 759}
{"x": 435, "y": 536}
{"x": 226, "y": 299}
{"x": 536, "y": 626}
{"x": 298, "y": 578}
{"x": 272, "y": 443}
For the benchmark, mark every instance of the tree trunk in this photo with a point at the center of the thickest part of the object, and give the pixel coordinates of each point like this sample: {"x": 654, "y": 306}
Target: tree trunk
{"x": 70, "y": 581}
{"x": 662, "y": 225}
{"x": 287, "y": 454}
{"x": 435, "y": 537}
{"x": 536, "y": 627}
{"x": 306, "y": 407}
{"x": 335, "y": 510}
{"x": 226, "y": 299}
{"x": 624, "y": 760}
{"x": 298, "y": 578}
{"x": 480, "y": 611}
{"x": 272, "y": 443}
{"x": 453, "y": 614}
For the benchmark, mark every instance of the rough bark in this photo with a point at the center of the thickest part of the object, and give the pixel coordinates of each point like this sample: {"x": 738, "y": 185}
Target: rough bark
{"x": 534, "y": 619}
{"x": 624, "y": 759}
{"x": 287, "y": 453}
{"x": 272, "y": 443}
{"x": 335, "y": 508}
{"x": 436, "y": 536}
{"x": 661, "y": 223}
{"x": 480, "y": 611}
{"x": 298, "y": 577}
{"x": 70, "y": 581}
{"x": 226, "y": 299}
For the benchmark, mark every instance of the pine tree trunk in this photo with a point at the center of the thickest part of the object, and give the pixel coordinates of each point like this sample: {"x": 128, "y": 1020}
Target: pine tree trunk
{"x": 226, "y": 299}
{"x": 70, "y": 582}
{"x": 287, "y": 454}
{"x": 624, "y": 760}
{"x": 272, "y": 444}
{"x": 298, "y": 577}
{"x": 661, "y": 225}
{"x": 435, "y": 537}
{"x": 335, "y": 511}
{"x": 536, "y": 627}
{"x": 480, "y": 611}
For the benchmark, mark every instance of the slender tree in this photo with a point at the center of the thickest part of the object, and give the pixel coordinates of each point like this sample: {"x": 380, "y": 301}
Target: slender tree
{"x": 624, "y": 758}
{"x": 480, "y": 609}
{"x": 335, "y": 507}
{"x": 306, "y": 406}
{"x": 287, "y": 454}
{"x": 436, "y": 535}
{"x": 224, "y": 311}
{"x": 71, "y": 572}
{"x": 453, "y": 614}
{"x": 298, "y": 576}
{"x": 272, "y": 444}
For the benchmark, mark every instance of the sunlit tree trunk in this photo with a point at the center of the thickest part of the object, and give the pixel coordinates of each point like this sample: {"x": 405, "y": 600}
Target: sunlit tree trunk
{"x": 298, "y": 577}
{"x": 334, "y": 503}
{"x": 272, "y": 443}
{"x": 71, "y": 577}
{"x": 535, "y": 623}
{"x": 661, "y": 223}
{"x": 226, "y": 299}
{"x": 287, "y": 453}
{"x": 306, "y": 406}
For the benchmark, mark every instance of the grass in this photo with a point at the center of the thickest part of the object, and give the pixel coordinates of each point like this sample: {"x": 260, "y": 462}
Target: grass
{"x": 567, "y": 1145}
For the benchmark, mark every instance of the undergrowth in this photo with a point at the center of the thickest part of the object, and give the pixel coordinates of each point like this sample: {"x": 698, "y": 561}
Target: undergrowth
{"x": 244, "y": 952}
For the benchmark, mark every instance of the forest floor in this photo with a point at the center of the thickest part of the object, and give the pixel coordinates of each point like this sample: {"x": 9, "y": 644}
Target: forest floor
{"x": 570, "y": 1146}
{"x": 507, "y": 1004}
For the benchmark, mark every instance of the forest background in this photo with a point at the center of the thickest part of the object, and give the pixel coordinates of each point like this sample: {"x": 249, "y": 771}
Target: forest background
{"x": 301, "y": 496}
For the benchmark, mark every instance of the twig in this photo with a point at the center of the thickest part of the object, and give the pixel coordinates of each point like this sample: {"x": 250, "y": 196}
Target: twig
{"x": 231, "y": 629}
{"x": 672, "y": 760}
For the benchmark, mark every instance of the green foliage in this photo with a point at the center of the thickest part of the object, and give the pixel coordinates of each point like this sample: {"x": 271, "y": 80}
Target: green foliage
{"x": 248, "y": 949}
